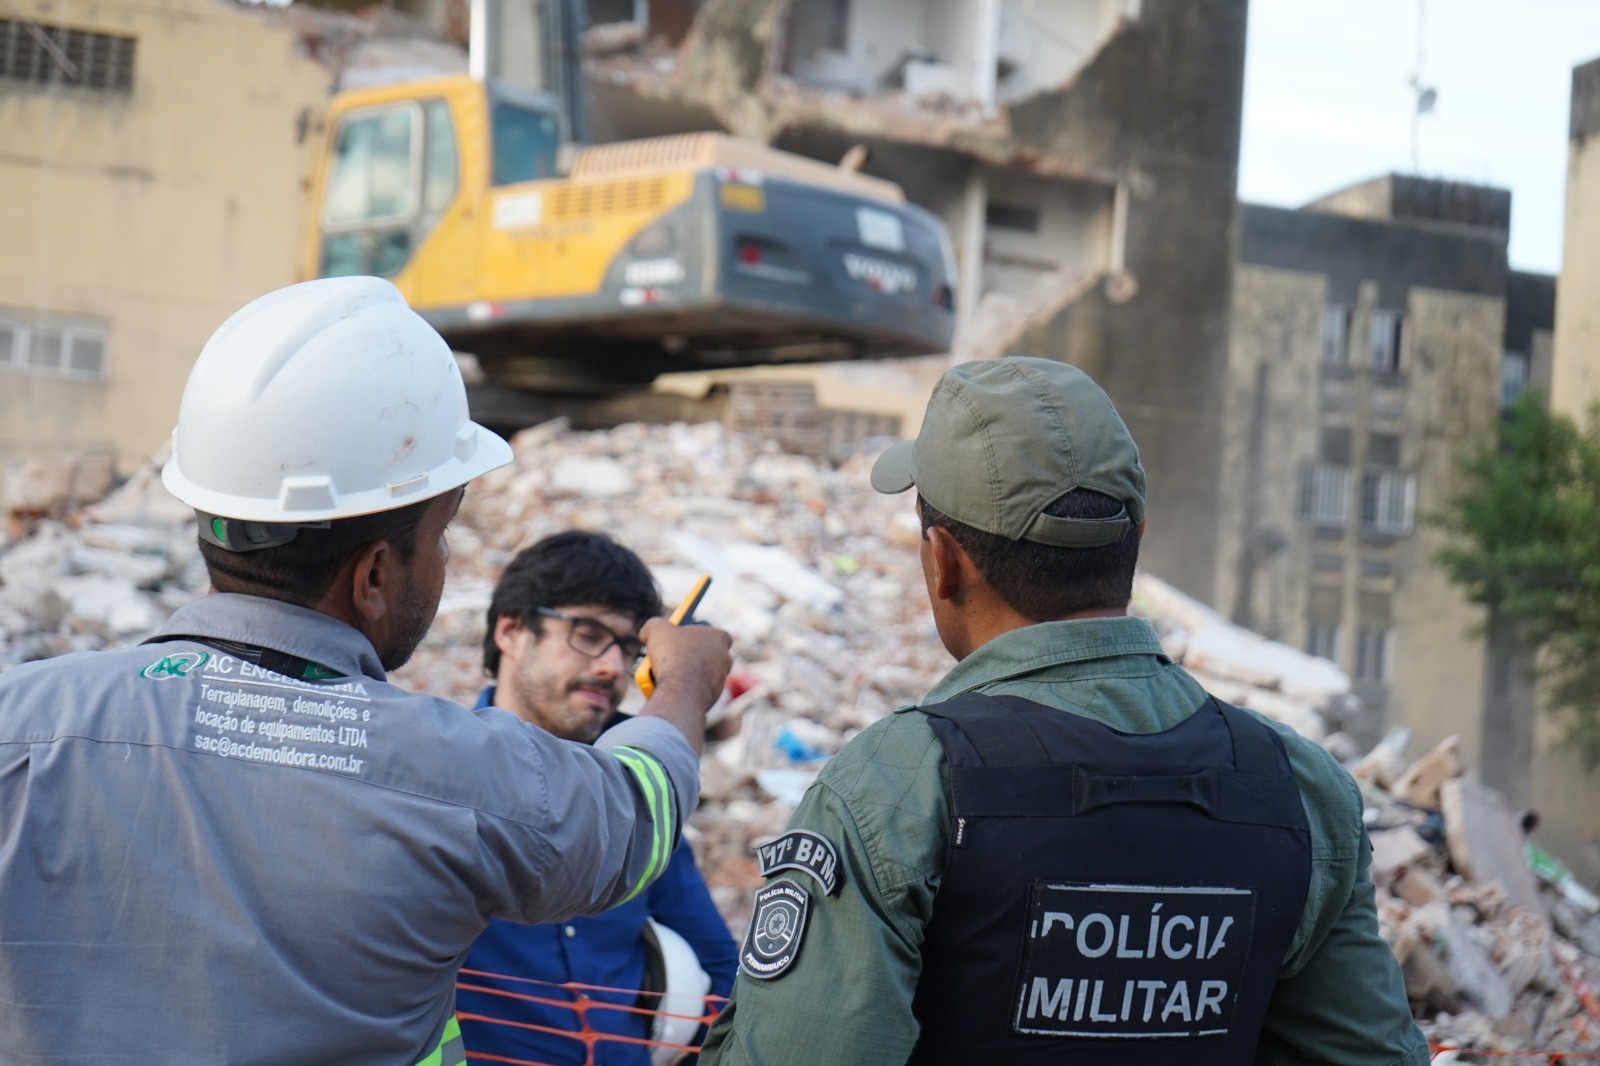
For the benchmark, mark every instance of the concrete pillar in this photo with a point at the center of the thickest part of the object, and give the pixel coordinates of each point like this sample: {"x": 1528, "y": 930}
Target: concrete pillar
{"x": 969, "y": 233}
{"x": 985, "y": 51}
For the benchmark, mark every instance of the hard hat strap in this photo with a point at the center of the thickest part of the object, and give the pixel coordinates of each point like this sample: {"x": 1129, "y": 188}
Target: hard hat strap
{"x": 238, "y": 535}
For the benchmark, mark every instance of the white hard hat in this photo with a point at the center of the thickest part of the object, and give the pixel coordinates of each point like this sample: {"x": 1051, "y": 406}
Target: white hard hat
{"x": 683, "y": 1004}
{"x": 324, "y": 400}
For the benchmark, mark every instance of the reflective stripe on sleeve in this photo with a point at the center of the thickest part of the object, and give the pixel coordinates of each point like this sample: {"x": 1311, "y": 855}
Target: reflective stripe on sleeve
{"x": 652, "y": 778}
{"x": 451, "y": 1051}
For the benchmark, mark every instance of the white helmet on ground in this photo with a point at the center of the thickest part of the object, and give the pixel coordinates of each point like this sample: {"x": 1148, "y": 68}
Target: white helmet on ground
{"x": 682, "y": 1004}
{"x": 323, "y": 400}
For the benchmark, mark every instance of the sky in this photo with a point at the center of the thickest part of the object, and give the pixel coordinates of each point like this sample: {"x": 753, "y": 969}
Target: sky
{"x": 1327, "y": 101}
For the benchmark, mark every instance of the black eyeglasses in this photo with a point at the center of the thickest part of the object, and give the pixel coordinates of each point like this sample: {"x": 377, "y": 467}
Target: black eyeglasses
{"x": 589, "y": 636}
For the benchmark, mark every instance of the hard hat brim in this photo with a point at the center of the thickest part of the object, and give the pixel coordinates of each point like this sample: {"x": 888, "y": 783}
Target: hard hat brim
{"x": 487, "y": 452}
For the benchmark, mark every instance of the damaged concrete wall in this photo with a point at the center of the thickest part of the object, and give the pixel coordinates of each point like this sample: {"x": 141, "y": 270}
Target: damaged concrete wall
{"x": 1161, "y": 102}
{"x": 145, "y": 216}
{"x": 1139, "y": 135}
{"x": 1576, "y": 382}
{"x": 1452, "y": 396}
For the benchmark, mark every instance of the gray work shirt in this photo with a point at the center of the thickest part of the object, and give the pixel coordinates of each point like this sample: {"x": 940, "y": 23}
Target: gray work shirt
{"x": 205, "y": 861}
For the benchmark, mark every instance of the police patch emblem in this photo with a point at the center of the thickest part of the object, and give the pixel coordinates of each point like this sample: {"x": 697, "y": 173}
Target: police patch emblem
{"x": 777, "y": 924}
{"x": 801, "y": 849}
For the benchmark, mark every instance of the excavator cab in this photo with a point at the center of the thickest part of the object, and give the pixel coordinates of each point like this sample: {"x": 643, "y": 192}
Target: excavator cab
{"x": 693, "y": 252}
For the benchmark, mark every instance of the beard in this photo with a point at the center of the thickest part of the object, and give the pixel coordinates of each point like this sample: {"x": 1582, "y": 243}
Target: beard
{"x": 413, "y": 618}
{"x": 548, "y": 702}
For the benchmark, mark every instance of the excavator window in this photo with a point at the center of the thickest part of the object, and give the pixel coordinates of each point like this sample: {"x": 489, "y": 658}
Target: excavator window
{"x": 439, "y": 166}
{"x": 526, "y": 143}
{"x": 394, "y": 170}
{"x": 370, "y": 178}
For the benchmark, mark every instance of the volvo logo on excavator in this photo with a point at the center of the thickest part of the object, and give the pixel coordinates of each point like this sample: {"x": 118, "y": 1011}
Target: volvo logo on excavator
{"x": 880, "y": 274}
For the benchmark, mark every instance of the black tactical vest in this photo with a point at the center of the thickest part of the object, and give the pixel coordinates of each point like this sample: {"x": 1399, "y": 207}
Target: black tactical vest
{"x": 1109, "y": 897}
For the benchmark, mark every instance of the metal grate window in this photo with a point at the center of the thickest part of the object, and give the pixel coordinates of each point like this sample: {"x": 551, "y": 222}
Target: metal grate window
{"x": 1513, "y": 376}
{"x": 1388, "y": 341}
{"x": 1336, "y": 334}
{"x": 1324, "y": 494}
{"x": 34, "y": 52}
{"x": 59, "y": 351}
{"x": 1322, "y": 640}
{"x": 1388, "y": 500}
{"x": 1372, "y": 655}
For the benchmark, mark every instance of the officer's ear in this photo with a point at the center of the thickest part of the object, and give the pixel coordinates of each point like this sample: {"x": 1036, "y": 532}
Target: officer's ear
{"x": 950, "y": 569}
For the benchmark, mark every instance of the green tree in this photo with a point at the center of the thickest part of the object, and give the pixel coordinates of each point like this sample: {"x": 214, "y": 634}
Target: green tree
{"x": 1526, "y": 544}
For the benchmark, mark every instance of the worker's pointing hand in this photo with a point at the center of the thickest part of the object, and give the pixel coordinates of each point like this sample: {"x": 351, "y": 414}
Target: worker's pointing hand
{"x": 690, "y": 663}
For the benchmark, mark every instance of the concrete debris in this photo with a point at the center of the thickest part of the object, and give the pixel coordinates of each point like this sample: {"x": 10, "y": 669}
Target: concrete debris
{"x": 40, "y": 488}
{"x": 1486, "y": 843}
{"x": 818, "y": 579}
{"x": 1419, "y": 785}
{"x": 613, "y": 38}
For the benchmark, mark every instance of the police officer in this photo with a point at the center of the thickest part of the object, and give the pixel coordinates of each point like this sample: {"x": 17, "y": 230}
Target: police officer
{"x": 1068, "y": 852}
{"x": 238, "y": 842}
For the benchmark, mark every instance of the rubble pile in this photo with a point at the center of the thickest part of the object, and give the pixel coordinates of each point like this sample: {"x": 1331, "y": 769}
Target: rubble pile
{"x": 818, "y": 579}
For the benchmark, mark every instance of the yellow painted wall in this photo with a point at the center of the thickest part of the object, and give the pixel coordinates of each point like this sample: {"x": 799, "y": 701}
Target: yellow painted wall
{"x": 1575, "y": 378}
{"x": 156, "y": 212}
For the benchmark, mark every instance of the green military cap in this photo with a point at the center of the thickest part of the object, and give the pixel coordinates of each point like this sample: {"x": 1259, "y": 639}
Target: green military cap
{"x": 1004, "y": 438}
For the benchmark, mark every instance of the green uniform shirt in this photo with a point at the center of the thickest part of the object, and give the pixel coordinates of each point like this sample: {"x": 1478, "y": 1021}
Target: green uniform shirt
{"x": 883, "y": 802}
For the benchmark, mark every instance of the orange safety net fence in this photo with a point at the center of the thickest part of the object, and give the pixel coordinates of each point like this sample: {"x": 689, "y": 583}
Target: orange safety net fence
{"x": 1546, "y": 1057}
{"x": 580, "y": 1004}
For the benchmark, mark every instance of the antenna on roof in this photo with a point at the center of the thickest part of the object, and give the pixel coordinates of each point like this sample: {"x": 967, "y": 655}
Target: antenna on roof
{"x": 1426, "y": 95}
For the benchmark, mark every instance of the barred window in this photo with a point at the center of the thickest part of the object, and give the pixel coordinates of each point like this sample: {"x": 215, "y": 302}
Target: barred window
{"x": 37, "y": 52}
{"x": 1322, "y": 640}
{"x": 1372, "y": 655}
{"x": 1513, "y": 376}
{"x": 1324, "y": 494}
{"x": 1336, "y": 334}
{"x": 1388, "y": 341}
{"x": 1388, "y": 500}
{"x": 77, "y": 351}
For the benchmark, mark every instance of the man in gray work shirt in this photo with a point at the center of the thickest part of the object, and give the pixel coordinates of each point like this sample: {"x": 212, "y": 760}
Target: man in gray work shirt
{"x": 238, "y": 842}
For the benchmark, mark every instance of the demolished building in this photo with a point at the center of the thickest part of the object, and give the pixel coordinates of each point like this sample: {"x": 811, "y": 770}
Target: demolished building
{"x": 1083, "y": 154}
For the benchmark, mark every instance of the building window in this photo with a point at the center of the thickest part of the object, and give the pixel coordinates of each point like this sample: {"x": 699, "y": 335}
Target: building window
{"x": 1324, "y": 494}
{"x": 1388, "y": 500}
{"x": 69, "y": 351}
{"x": 1011, "y": 216}
{"x": 41, "y": 53}
{"x": 1323, "y": 641}
{"x": 1333, "y": 446}
{"x": 1336, "y": 335}
{"x": 1513, "y": 376}
{"x": 1383, "y": 449}
{"x": 1388, "y": 335}
{"x": 1372, "y": 654}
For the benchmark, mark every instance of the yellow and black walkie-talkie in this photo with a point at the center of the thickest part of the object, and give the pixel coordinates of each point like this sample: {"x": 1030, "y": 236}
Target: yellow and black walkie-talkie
{"x": 683, "y": 615}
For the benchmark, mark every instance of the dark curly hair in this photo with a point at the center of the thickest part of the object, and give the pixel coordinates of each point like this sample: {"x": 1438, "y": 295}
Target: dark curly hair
{"x": 576, "y": 567}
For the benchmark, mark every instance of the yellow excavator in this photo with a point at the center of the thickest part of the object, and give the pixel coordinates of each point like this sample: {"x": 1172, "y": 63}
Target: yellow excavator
{"x": 593, "y": 270}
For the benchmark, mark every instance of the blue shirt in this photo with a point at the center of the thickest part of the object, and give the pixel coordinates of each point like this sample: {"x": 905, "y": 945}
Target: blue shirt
{"x": 605, "y": 950}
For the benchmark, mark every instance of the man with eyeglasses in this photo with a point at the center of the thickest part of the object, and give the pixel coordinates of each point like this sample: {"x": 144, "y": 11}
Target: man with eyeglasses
{"x": 562, "y": 645}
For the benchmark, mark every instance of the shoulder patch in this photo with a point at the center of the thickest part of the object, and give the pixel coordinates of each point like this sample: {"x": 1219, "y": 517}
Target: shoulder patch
{"x": 777, "y": 925}
{"x": 801, "y": 849}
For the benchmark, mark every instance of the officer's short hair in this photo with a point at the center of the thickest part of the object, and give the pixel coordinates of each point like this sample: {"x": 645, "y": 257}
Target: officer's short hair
{"x": 1043, "y": 582}
{"x": 579, "y": 566}
{"x": 300, "y": 571}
